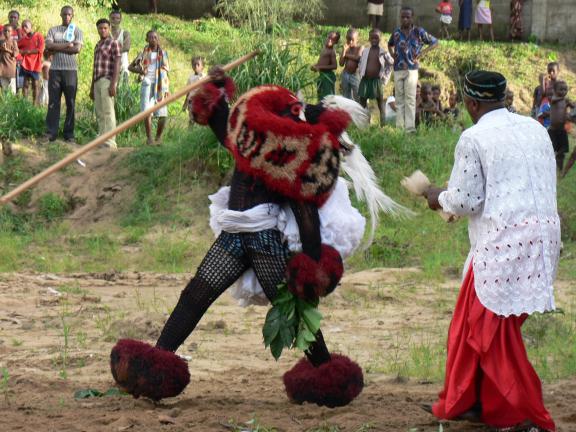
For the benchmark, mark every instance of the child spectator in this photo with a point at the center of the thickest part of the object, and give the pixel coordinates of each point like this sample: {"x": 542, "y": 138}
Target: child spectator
{"x": 484, "y": 17}
{"x": 8, "y": 57}
{"x": 444, "y": 8}
{"x": 544, "y": 110}
{"x": 390, "y": 110}
{"x": 509, "y": 101}
{"x": 31, "y": 46}
{"x": 436, "y": 93}
{"x": 350, "y": 58}
{"x": 326, "y": 66}
{"x": 553, "y": 70}
{"x": 428, "y": 111}
{"x": 559, "y": 106}
{"x": 537, "y": 96}
{"x": 375, "y": 70}
{"x": 452, "y": 111}
{"x": 197, "y": 73}
{"x": 43, "y": 98}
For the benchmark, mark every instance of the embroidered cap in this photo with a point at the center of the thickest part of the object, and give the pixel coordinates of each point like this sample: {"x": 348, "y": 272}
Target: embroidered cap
{"x": 485, "y": 86}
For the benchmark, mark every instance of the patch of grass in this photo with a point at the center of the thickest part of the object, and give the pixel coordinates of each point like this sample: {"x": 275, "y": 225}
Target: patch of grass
{"x": 52, "y": 206}
{"x": 551, "y": 343}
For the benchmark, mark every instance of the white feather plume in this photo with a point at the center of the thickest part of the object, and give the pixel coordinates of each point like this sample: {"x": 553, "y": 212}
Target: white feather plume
{"x": 366, "y": 189}
{"x": 360, "y": 115}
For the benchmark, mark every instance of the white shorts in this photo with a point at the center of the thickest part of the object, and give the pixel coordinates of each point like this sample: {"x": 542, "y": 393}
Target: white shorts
{"x": 446, "y": 19}
{"x": 375, "y": 9}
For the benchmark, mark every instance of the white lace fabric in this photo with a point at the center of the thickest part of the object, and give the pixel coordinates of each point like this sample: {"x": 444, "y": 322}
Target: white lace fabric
{"x": 504, "y": 179}
{"x": 341, "y": 226}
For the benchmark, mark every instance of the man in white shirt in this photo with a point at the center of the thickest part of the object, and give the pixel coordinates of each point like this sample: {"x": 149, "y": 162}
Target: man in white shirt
{"x": 504, "y": 180}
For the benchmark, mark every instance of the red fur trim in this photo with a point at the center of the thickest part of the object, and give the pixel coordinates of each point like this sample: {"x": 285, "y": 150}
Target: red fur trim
{"x": 144, "y": 370}
{"x": 335, "y": 120}
{"x": 208, "y": 96}
{"x": 296, "y": 159}
{"x": 332, "y": 384}
{"x": 310, "y": 279}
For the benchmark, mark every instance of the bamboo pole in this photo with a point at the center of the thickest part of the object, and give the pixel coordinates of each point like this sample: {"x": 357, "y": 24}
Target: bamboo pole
{"x": 120, "y": 128}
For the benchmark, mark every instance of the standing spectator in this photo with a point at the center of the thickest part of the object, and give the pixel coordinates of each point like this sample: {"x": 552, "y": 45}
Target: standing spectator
{"x": 123, "y": 38}
{"x": 65, "y": 42}
{"x": 406, "y": 46}
{"x": 516, "y": 19}
{"x": 16, "y": 33}
{"x": 444, "y": 8}
{"x": 375, "y": 70}
{"x": 31, "y": 46}
{"x": 153, "y": 6}
{"x": 326, "y": 65}
{"x": 104, "y": 79}
{"x": 8, "y": 55}
{"x": 375, "y": 12}
{"x": 484, "y": 17}
{"x": 465, "y": 19}
{"x": 44, "y": 78}
{"x": 350, "y": 59}
{"x": 197, "y": 74}
{"x": 152, "y": 65}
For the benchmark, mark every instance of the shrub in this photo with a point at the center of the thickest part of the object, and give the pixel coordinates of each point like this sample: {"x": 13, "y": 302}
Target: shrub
{"x": 19, "y": 118}
{"x": 265, "y": 14}
{"x": 51, "y": 207}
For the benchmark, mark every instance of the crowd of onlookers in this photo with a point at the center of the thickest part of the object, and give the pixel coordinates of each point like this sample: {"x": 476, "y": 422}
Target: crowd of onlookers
{"x": 480, "y": 14}
{"x": 45, "y": 68}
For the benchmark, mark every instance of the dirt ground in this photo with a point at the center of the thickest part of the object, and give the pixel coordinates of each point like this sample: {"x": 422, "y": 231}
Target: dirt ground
{"x": 49, "y": 320}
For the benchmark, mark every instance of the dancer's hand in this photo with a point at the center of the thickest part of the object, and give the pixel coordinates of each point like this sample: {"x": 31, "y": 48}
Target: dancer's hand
{"x": 216, "y": 73}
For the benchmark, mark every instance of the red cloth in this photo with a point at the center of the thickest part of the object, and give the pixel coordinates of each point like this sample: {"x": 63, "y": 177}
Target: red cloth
{"x": 487, "y": 364}
{"x": 445, "y": 8}
{"x": 32, "y": 62}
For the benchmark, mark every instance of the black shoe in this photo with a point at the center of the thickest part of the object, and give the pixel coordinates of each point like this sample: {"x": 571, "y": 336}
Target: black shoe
{"x": 70, "y": 140}
{"x": 47, "y": 138}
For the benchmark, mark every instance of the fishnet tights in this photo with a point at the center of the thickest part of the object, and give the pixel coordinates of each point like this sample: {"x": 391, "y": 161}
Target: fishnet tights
{"x": 228, "y": 258}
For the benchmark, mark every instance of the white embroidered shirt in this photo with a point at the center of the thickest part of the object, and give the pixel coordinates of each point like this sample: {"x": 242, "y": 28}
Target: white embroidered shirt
{"x": 504, "y": 179}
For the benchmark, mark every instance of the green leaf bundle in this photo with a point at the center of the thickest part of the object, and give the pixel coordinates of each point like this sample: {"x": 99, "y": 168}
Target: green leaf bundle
{"x": 290, "y": 322}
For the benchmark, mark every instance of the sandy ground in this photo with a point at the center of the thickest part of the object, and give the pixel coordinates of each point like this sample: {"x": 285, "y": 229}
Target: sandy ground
{"x": 371, "y": 318}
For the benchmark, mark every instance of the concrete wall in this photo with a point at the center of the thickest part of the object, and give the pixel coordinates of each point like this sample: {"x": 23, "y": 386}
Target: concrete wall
{"x": 549, "y": 20}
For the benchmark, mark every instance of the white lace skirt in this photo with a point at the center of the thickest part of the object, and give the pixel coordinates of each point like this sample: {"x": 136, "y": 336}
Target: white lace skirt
{"x": 341, "y": 226}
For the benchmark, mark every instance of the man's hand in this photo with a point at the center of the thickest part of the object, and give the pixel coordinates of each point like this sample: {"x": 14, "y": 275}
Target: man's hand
{"x": 112, "y": 89}
{"x": 432, "y": 194}
{"x": 314, "y": 68}
{"x": 216, "y": 73}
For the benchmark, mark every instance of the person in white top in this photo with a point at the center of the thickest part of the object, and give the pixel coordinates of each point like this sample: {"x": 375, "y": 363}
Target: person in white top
{"x": 504, "y": 180}
{"x": 125, "y": 41}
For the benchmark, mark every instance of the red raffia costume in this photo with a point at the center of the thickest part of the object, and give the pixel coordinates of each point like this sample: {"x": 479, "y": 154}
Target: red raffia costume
{"x": 281, "y": 159}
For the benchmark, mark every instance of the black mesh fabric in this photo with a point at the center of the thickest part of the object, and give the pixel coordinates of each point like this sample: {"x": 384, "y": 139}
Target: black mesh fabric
{"x": 227, "y": 259}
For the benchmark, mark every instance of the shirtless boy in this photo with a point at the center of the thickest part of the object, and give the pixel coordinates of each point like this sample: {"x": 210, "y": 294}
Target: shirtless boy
{"x": 326, "y": 65}
{"x": 559, "y": 115}
{"x": 375, "y": 70}
{"x": 350, "y": 59}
